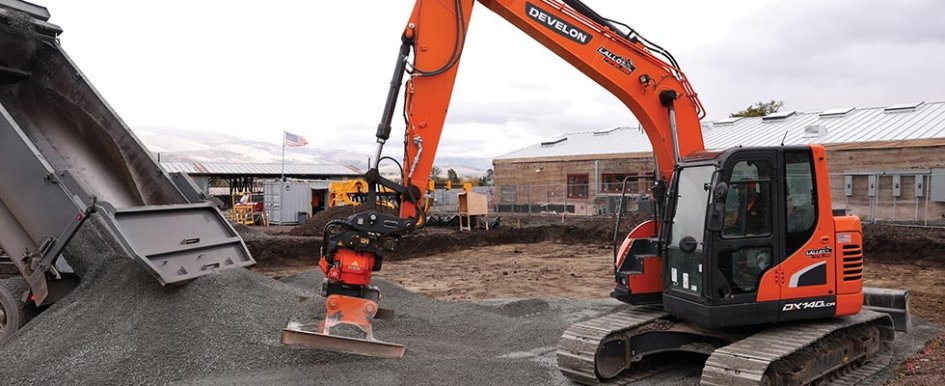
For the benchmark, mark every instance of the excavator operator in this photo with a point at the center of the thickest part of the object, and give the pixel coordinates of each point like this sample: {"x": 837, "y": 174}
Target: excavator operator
{"x": 746, "y": 212}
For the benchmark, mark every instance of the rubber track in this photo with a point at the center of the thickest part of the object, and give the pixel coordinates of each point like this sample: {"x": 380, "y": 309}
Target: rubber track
{"x": 579, "y": 343}
{"x": 857, "y": 376}
{"x": 744, "y": 362}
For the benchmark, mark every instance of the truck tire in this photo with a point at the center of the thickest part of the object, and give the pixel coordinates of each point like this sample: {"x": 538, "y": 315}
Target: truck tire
{"x": 14, "y": 313}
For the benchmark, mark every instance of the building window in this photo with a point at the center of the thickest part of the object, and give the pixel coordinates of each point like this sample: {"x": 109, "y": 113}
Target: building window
{"x": 611, "y": 182}
{"x": 577, "y": 185}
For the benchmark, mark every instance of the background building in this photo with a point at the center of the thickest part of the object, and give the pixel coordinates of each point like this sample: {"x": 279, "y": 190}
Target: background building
{"x": 260, "y": 189}
{"x": 886, "y": 163}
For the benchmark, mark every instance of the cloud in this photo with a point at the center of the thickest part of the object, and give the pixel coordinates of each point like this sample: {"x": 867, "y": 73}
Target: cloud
{"x": 820, "y": 25}
{"x": 818, "y": 55}
{"x": 308, "y": 74}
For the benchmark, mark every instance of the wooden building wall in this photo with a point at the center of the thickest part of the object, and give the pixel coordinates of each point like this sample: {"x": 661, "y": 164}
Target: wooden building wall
{"x": 885, "y": 163}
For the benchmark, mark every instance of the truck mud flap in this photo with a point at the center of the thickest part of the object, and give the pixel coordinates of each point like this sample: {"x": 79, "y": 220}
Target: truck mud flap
{"x": 177, "y": 243}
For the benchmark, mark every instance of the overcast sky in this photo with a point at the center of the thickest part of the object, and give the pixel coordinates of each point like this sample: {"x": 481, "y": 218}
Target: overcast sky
{"x": 321, "y": 69}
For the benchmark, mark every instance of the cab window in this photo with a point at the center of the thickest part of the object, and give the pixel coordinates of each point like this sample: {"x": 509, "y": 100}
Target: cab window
{"x": 748, "y": 202}
{"x": 801, "y": 202}
{"x": 743, "y": 268}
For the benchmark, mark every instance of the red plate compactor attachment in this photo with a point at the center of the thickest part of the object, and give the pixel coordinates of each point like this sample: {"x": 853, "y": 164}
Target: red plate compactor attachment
{"x": 352, "y": 249}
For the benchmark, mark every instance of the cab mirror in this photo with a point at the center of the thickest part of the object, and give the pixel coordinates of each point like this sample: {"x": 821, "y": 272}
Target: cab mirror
{"x": 717, "y": 209}
{"x": 720, "y": 191}
{"x": 688, "y": 244}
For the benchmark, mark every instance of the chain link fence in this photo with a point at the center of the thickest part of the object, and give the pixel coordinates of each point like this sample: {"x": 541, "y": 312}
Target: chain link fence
{"x": 896, "y": 197}
{"x": 558, "y": 199}
{"x": 911, "y": 197}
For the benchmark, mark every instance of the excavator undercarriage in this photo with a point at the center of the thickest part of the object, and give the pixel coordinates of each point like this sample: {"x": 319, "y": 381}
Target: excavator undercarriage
{"x": 846, "y": 350}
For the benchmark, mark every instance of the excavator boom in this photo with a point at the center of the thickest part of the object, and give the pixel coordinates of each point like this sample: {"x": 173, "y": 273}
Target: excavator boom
{"x": 654, "y": 89}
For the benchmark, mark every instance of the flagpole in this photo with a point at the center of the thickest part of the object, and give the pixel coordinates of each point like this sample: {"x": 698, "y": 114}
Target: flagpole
{"x": 283, "y": 155}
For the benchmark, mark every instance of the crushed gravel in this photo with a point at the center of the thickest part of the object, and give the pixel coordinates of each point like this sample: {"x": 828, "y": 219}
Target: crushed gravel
{"x": 121, "y": 327}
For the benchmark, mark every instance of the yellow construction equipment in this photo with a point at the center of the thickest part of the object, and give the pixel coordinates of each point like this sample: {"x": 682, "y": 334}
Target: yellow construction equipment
{"x": 354, "y": 193}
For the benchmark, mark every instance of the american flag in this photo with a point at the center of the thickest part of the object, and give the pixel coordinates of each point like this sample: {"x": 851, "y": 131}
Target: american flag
{"x": 292, "y": 140}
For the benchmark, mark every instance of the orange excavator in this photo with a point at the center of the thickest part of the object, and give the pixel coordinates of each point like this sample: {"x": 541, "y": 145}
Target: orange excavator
{"x": 771, "y": 292}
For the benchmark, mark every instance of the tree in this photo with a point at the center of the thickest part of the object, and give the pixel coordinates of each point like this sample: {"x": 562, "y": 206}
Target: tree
{"x": 435, "y": 173}
{"x": 759, "y": 109}
{"x": 217, "y": 182}
{"x": 452, "y": 176}
{"x": 487, "y": 179}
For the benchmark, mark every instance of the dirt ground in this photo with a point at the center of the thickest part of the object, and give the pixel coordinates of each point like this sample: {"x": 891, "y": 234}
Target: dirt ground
{"x": 923, "y": 283}
{"x": 542, "y": 270}
{"x": 926, "y": 368}
{"x": 553, "y": 270}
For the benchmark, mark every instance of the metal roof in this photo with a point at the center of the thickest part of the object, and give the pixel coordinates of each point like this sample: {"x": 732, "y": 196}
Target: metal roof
{"x": 200, "y": 168}
{"x": 913, "y": 121}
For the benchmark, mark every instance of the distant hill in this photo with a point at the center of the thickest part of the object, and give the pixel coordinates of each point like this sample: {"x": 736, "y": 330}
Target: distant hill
{"x": 174, "y": 145}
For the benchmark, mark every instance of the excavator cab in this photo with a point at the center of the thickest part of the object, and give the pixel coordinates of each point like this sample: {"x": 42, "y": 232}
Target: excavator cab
{"x": 747, "y": 237}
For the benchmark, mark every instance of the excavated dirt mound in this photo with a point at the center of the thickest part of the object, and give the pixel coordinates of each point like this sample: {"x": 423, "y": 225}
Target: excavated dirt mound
{"x": 882, "y": 243}
{"x": 282, "y": 249}
{"x": 904, "y": 245}
{"x": 316, "y": 225}
{"x": 249, "y": 233}
{"x": 300, "y": 244}
{"x": 277, "y": 250}
{"x": 438, "y": 240}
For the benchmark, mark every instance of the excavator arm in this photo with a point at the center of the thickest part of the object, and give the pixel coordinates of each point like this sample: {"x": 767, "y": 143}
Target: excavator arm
{"x": 623, "y": 62}
{"x": 654, "y": 89}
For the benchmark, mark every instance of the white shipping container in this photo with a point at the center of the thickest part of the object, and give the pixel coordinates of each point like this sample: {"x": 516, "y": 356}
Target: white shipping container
{"x": 286, "y": 203}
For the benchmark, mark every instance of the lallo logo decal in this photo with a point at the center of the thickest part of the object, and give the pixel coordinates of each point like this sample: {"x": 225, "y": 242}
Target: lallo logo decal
{"x": 825, "y": 251}
{"x": 625, "y": 65}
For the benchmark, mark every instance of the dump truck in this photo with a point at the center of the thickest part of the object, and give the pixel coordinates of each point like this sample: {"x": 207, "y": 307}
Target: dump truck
{"x": 68, "y": 163}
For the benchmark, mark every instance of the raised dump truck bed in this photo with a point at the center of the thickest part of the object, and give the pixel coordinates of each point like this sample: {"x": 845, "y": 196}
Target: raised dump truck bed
{"x": 65, "y": 156}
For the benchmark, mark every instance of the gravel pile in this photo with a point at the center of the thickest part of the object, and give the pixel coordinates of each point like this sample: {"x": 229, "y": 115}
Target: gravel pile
{"x": 121, "y": 327}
